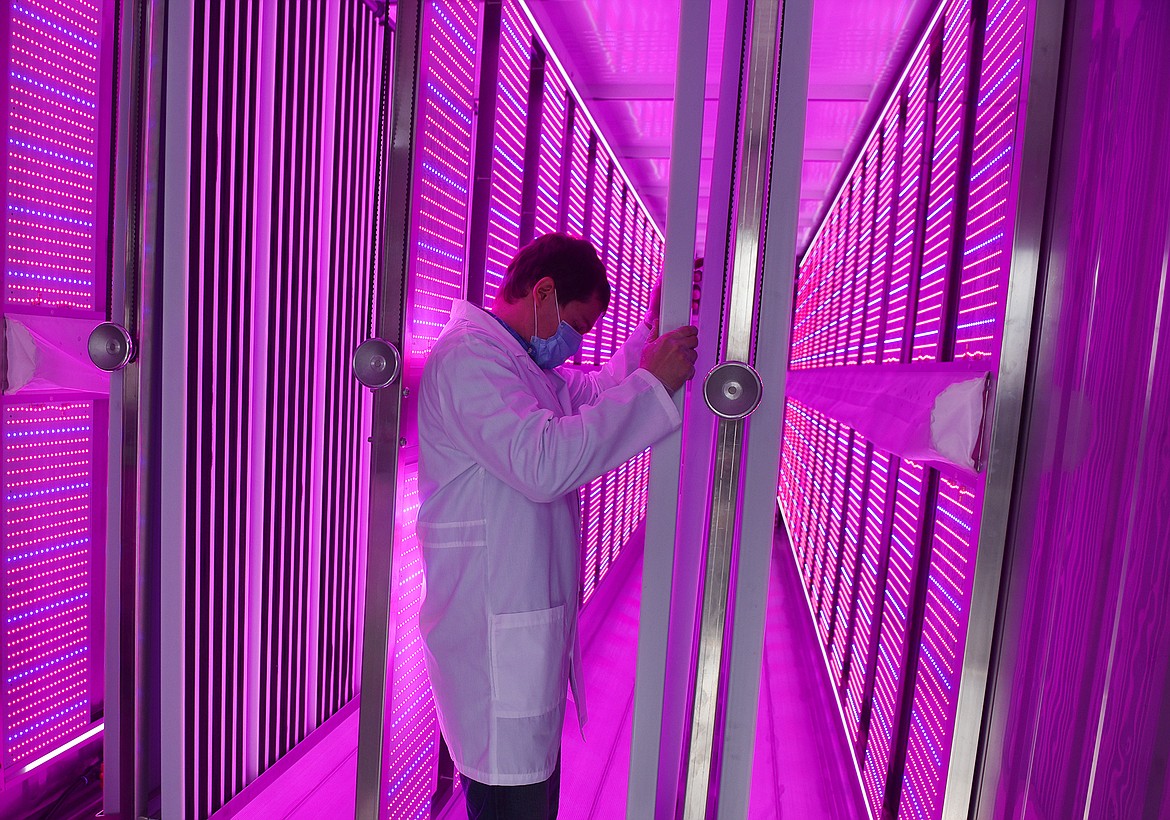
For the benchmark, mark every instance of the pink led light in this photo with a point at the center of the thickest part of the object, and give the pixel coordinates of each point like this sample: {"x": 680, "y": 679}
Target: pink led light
{"x": 508, "y": 148}
{"x": 940, "y": 215}
{"x": 591, "y": 512}
{"x": 987, "y": 245}
{"x": 892, "y": 635}
{"x": 944, "y": 631}
{"x": 51, "y": 208}
{"x": 868, "y": 598}
{"x": 850, "y": 547}
{"x": 46, "y": 657}
{"x": 873, "y": 259}
{"x": 444, "y": 178}
{"x": 838, "y": 478}
{"x": 413, "y": 725}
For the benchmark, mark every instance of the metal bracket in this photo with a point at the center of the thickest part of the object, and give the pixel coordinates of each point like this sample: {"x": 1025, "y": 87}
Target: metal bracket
{"x": 111, "y": 347}
{"x": 733, "y": 390}
{"x": 376, "y": 363}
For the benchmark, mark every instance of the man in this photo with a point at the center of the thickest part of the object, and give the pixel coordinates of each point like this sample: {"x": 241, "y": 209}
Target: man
{"x": 506, "y": 438}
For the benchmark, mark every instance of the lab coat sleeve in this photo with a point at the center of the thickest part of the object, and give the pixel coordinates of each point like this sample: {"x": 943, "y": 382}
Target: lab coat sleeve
{"x": 490, "y": 413}
{"x": 585, "y": 386}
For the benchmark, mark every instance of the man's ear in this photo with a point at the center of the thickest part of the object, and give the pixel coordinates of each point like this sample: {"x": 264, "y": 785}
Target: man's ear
{"x": 544, "y": 288}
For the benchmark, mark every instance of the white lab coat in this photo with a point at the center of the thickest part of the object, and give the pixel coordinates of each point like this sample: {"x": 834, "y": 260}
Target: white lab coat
{"x": 503, "y": 447}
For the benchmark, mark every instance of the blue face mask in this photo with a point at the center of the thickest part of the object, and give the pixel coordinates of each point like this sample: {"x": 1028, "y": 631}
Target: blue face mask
{"x": 558, "y": 348}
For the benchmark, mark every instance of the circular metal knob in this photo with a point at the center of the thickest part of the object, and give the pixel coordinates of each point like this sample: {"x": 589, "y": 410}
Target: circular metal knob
{"x": 733, "y": 390}
{"x": 377, "y": 363}
{"x": 110, "y": 346}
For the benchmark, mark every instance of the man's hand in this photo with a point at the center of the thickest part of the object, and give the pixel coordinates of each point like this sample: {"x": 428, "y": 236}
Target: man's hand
{"x": 671, "y": 357}
{"x": 652, "y": 314}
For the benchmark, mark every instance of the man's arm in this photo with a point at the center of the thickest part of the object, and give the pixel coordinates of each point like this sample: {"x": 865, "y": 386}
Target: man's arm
{"x": 488, "y": 411}
{"x": 585, "y": 386}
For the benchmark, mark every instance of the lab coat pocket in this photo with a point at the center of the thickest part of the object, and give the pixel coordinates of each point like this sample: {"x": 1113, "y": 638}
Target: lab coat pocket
{"x": 527, "y": 660}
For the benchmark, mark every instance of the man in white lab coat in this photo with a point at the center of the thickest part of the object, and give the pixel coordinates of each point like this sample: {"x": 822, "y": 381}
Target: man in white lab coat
{"x": 506, "y": 437}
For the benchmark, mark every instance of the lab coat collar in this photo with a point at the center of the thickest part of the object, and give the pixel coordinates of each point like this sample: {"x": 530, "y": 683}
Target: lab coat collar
{"x": 464, "y": 311}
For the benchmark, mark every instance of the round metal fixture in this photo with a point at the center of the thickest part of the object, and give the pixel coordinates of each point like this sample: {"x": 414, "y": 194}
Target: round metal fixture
{"x": 733, "y": 390}
{"x": 377, "y": 363}
{"x": 110, "y": 346}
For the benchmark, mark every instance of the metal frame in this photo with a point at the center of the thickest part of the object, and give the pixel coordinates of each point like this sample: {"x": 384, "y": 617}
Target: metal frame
{"x": 393, "y": 262}
{"x": 262, "y": 268}
{"x": 756, "y": 114}
{"x": 975, "y": 751}
{"x": 132, "y": 554}
{"x": 762, "y": 457}
{"x": 171, "y": 269}
{"x": 649, "y": 785}
{"x": 699, "y": 430}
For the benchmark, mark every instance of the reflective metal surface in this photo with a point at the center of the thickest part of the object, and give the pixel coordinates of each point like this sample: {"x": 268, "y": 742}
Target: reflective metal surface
{"x": 761, "y": 462}
{"x": 399, "y": 98}
{"x": 716, "y": 582}
{"x": 110, "y": 347}
{"x": 754, "y": 154}
{"x": 733, "y": 390}
{"x": 377, "y": 363}
{"x": 651, "y": 791}
{"x": 172, "y": 269}
{"x": 133, "y": 281}
{"x": 1004, "y": 439}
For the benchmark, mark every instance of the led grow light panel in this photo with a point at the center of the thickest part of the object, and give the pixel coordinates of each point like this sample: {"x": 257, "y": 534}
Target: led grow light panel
{"x": 52, "y": 205}
{"x": 987, "y": 244}
{"x": 940, "y": 658}
{"x": 895, "y": 623}
{"x": 909, "y": 196}
{"x": 443, "y": 175}
{"x": 937, "y": 253}
{"x": 46, "y": 578}
{"x": 851, "y": 543}
{"x": 871, "y": 565}
{"x": 412, "y": 732}
{"x": 503, "y": 230}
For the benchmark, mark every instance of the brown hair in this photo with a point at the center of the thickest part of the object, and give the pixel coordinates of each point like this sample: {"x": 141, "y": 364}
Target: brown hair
{"x": 572, "y": 263}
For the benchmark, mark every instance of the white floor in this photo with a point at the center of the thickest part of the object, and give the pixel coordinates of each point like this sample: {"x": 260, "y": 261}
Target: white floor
{"x": 802, "y": 769}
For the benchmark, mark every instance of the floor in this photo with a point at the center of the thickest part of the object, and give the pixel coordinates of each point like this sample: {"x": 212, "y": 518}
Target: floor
{"x": 802, "y": 769}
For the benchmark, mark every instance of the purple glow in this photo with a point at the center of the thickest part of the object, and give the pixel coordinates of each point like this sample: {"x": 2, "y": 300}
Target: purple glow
{"x": 52, "y": 156}
{"x": 944, "y": 631}
{"x": 47, "y": 578}
{"x": 987, "y": 245}
{"x": 508, "y": 151}
{"x": 912, "y": 146}
{"x": 895, "y": 619}
{"x": 444, "y": 176}
{"x": 944, "y": 177}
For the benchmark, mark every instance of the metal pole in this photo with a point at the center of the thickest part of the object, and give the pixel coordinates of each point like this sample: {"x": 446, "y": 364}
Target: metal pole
{"x": 762, "y": 458}
{"x": 662, "y": 506}
{"x": 387, "y": 406}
